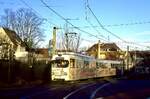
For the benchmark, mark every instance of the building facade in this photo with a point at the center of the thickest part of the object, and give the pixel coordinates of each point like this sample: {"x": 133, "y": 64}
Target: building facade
{"x": 11, "y": 46}
{"x": 109, "y": 51}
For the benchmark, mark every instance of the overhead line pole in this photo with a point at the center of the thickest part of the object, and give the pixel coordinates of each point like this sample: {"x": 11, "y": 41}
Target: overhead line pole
{"x": 54, "y": 41}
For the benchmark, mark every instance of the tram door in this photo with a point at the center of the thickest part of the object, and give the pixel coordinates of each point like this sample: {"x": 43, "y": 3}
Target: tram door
{"x": 72, "y": 71}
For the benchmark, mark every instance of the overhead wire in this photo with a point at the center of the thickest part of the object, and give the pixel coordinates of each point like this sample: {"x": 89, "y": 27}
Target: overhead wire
{"x": 78, "y": 28}
{"x": 37, "y": 12}
{"x": 127, "y": 24}
{"x": 68, "y": 21}
{"x": 100, "y": 24}
{"x": 103, "y": 26}
{"x": 87, "y": 40}
{"x": 100, "y": 34}
{"x": 118, "y": 25}
{"x": 91, "y": 25}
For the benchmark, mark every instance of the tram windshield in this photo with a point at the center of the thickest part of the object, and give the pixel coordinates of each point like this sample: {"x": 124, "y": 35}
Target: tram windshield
{"x": 59, "y": 63}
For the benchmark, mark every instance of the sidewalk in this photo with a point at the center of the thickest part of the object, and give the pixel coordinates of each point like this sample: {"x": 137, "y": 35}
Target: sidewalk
{"x": 19, "y": 85}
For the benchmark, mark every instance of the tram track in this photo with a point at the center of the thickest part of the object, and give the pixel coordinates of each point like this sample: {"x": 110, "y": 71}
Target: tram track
{"x": 99, "y": 88}
{"x": 88, "y": 91}
{"x": 70, "y": 94}
{"x": 62, "y": 90}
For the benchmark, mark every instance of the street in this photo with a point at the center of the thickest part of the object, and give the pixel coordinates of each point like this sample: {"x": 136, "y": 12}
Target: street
{"x": 90, "y": 89}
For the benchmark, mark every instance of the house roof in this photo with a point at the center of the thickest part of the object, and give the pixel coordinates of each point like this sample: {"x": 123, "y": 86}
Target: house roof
{"x": 14, "y": 37}
{"x": 104, "y": 46}
{"x": 43, "y": 52}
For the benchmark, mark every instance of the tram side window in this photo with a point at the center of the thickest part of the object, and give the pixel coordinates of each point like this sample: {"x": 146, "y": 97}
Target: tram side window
{"x": 97, "y": 65}
{"x": 78, "y": 63}
{"x": 72, "y": 63}
{"x": 114, "y": 65}
{"x": 103, "y": 65}
{"x": 86, "y": 64}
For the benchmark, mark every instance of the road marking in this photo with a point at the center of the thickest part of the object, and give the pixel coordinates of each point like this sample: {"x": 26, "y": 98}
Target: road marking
{"x": 78, "y": 90}
{"x": 99, "y": 88}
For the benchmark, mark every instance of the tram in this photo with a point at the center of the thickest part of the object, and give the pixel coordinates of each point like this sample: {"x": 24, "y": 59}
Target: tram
{"x": 70, "y": 66}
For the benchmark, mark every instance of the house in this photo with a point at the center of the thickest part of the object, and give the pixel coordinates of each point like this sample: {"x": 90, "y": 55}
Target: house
{"x": 31, "y": 63}
{"x": 42, "y": 54}
{"x": 108, "y": 51}
{"x": 12, "y": 46}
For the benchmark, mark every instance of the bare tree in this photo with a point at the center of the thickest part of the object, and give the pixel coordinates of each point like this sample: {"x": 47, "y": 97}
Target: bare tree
{"x": 26, "y": 24}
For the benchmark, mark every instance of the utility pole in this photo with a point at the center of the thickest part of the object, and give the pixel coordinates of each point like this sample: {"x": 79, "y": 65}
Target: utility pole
{"x": 108, "y": 38}
{"x": 11, "y": 58}
{"x": 54, "y": 41}
{"x": 135, "y": 57}
{"x": 127, "y": 59}
{"x": 98, "y": 50}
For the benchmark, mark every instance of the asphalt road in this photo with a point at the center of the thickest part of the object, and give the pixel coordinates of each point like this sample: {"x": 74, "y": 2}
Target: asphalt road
{"x": 106, "y": 89}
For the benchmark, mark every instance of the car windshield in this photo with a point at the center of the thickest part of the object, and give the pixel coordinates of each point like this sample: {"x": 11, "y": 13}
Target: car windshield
{"x": 59, "y": 63}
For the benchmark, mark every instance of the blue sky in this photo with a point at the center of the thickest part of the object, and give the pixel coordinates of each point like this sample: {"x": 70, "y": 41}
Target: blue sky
{"x": 109, "y": 12}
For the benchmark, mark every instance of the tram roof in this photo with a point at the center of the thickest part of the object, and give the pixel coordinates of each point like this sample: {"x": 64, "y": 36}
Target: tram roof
{"x": 75, "y": 54}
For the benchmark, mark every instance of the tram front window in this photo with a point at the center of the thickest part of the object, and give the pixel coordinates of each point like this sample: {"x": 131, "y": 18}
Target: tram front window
{"x": 59, "y": 63}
